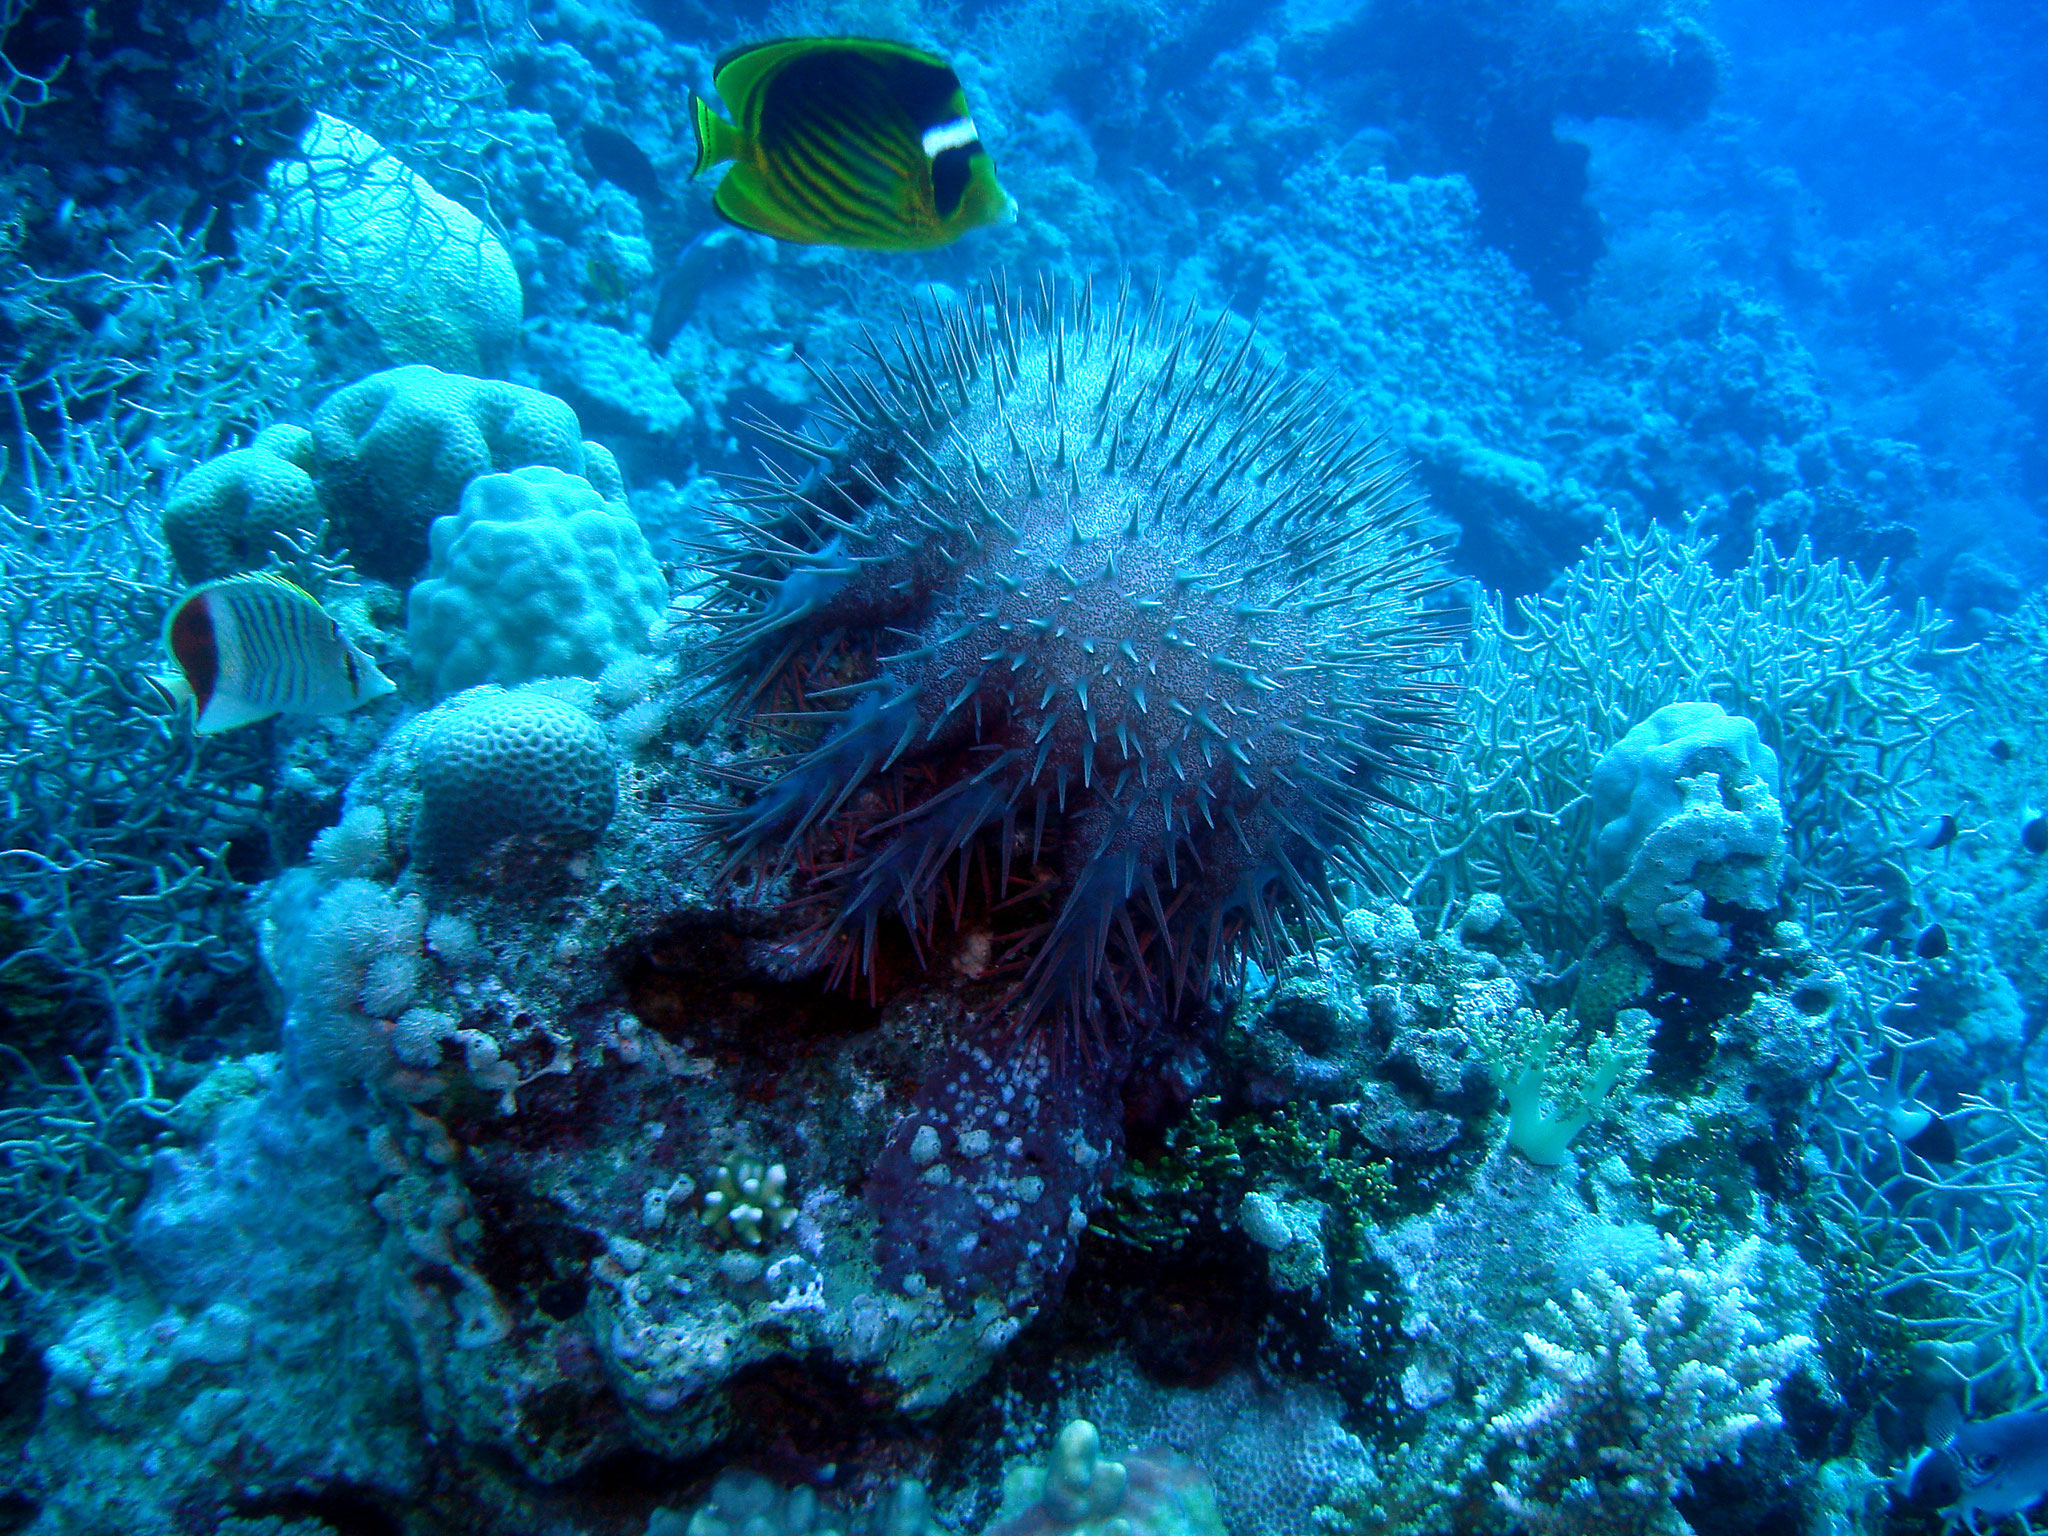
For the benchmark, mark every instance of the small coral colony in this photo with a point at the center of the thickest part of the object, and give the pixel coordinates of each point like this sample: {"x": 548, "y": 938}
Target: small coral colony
{"x": 1059, "y": 938}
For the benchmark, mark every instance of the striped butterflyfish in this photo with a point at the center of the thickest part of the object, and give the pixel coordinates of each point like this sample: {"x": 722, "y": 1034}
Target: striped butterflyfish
{"x": 249, "y": 647}
{"x": 847, "y": 141}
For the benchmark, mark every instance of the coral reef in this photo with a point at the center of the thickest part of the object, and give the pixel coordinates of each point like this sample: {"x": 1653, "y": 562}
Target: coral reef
{"x": 1644, "y": 622}
{"x": 1474, "y": 1172}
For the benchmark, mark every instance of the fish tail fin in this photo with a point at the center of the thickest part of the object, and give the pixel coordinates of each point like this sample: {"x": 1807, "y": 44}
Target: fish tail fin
{"x": 374, "y": 684}
{"x": 172, "y": 693}
{"x": 717, "y": 140}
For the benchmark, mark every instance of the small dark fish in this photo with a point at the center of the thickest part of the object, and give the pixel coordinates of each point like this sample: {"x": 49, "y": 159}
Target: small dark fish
{"x": 847, "y": 141}
{"x": 1996, "y": 1466}
{"x": 1935, "y": 1141}
{"x": 1934, "y": 1480}
{"x": 714, "y": 254}
{"x": 2001, "y": 751}
{"x": 623, "y": 163}
{"x": 1938, "y": 833}
{"x": 1932, "y": 943}
{"x": 2034, "y": 833}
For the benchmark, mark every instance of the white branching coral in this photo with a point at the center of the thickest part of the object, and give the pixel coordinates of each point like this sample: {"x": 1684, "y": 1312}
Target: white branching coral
{"x": 1637, "y": 1386}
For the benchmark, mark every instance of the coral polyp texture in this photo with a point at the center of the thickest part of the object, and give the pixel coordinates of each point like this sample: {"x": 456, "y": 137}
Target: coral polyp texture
{"x": 1103, "y": 605}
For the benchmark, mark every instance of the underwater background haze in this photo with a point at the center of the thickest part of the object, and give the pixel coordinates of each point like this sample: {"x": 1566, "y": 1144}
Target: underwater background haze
{"x": 1023, "y": 768}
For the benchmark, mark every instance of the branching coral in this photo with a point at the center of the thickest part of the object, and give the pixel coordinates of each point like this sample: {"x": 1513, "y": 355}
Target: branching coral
{"x": 1637, "y": 1386}
{"x": 1937, "y": 1213}
{"x": 1814, "y": 654}
{"x": 115, "y": 822}
{"x": 72, "y": 1159}
{"x": 21, "y": 91}
{"x": 1953, "y": 1251}
{"x": 113, "y": 819}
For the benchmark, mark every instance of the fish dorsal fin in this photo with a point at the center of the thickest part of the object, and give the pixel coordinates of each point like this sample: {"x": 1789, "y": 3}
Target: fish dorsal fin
{"x": 271, "y": 578}
{"x": 246, "y": 581}
{"x": 740, "y": 73}
{"x": 1944, "y": 1418}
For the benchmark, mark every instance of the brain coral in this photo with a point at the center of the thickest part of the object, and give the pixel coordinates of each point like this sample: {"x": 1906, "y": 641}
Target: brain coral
{"x": 422, "y": 272}
{"x": 493, "y": 763}
{"x": 236, "y": 512}
{"x": 394, "y": 451}
{"x": 1107, "y": 604}
{"x": 534, "y": 575}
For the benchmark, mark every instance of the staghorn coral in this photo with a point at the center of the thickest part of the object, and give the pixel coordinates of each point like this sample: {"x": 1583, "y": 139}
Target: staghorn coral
{"x": 1640, "y": 1385}
{"x": 1811, "y": 651}
{"x": 1108, "y": 601}
{"x": 117, "y": 825}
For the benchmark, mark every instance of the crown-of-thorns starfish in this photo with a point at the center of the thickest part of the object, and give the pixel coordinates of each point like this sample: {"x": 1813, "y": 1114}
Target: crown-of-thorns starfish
{"x": 1106, "y": 604}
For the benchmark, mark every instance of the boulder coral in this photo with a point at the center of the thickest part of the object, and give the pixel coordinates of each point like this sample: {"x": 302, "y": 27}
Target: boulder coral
{"x": 1690, "y": 832}
{"x": 533, "y": 575}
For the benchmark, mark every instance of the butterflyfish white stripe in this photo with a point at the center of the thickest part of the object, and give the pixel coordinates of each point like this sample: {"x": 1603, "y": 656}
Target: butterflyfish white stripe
{"x": 229, "y": 646}
{"x": 957, "y": 134}
{"x": 268, "y": 648}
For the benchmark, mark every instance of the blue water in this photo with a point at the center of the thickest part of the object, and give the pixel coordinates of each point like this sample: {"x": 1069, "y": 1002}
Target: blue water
{"x": 1342, "y": 833}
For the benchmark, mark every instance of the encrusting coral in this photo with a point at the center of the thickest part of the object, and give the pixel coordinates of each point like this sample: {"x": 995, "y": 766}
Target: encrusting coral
{"x": 1082, "y": 1492}
{"x": 1108, "y": 602}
